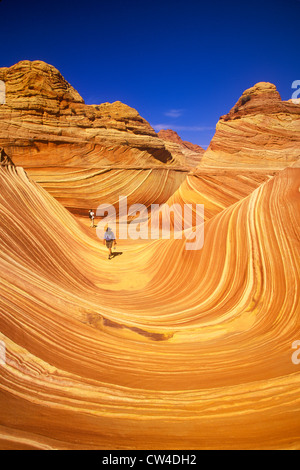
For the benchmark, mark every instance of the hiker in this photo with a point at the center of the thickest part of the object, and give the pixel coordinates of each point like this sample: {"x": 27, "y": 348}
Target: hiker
{"x": 92, "y": 217}
{"x": 109, "y": 240}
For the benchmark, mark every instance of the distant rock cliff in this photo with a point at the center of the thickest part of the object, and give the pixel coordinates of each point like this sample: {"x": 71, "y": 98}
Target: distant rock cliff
{"x": 172, "y": 136}
{"x": 192, "y": 152}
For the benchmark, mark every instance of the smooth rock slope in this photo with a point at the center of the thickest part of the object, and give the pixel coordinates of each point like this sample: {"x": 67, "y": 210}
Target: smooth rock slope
{"x": 194, "y": 353}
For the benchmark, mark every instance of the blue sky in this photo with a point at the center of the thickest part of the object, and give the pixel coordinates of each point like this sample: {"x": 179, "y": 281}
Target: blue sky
{"x": 181, "y": 64}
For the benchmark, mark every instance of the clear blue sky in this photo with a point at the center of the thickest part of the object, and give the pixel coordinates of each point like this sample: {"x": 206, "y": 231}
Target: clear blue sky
{"x": 181, "y": 64}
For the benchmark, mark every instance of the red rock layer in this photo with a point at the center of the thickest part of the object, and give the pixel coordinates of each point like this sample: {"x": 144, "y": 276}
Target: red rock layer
{"x": 172, "y": 136}
{"x": 192, "y": 152}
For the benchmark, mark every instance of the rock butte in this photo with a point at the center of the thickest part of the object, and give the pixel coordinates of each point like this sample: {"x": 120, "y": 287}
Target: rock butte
{"x": 192, "y": 152}
{"x": 261, "y": 130}
{"x": 162, "y": 348}
{"x": 69, "y": 147}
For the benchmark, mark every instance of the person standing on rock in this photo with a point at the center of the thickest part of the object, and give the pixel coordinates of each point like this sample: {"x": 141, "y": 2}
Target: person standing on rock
{"x": 92, "y": 217}
{"x": 109, "y": 240}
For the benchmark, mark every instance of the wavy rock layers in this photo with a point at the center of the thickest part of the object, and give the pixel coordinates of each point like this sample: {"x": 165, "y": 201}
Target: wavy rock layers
{"x": 218, "y": 189}
{"x": 260, "y": 131}
{"x": 44, "y": 120}
{"x": 193, "y": 352}
{"x": 4, "y": 159}
{"x": 80, "y": 189}
{"x": 46, "y": 128}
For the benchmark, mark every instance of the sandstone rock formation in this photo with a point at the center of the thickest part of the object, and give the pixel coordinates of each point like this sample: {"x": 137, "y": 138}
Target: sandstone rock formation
{"x": 172, "y": 136}
{"x": 218, "y": 189}
{"x": 68, "y": 147}
{"x": 261, "y": 130}
{"x": 4, "y": 159}
{"x": 161, "y": 347}
{"x": 177, "y": 146}
{"x": 44, "y": 118}
{"x": 80, "y": 189}
{"x": 192, "y": 350}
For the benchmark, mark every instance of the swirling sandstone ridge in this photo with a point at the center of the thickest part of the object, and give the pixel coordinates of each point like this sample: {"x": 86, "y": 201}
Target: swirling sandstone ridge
{"x": 74, "y": 149}
{"x": 45, "y": 121}
{"x": 159, "y": 348}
